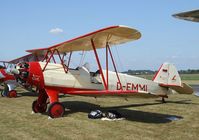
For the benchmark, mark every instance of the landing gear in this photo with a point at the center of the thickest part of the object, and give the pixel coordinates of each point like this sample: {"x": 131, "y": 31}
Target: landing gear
{"x": 12, "y": 94}
{"x": 40, "y": 105}
{"x": 8, "y": 92}
{"x": 56, "y": 110}
{"x": 39, "y": 108}
{"x": 163, "y": 100}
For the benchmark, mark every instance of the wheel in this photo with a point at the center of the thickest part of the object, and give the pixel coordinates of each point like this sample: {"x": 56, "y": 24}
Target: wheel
{"x": 56, "y": 110}
{"x": 34, "y": 107}
{"x": 12, "y": 94}
{"x": 37, "y": 108}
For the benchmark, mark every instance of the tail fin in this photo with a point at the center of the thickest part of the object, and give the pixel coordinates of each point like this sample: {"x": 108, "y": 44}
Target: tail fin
{"x": 167, "y": 76}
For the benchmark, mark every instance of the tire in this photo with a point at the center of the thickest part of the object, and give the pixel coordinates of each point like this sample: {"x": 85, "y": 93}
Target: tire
{"x": 34, "y": 107}
{"x": 37, "y": 108}
{"x": 56, "y": 110}
{"x": 12, "y": 94}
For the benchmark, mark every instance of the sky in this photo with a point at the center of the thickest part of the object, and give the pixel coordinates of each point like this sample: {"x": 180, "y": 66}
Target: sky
{"x": 35, "y": 24}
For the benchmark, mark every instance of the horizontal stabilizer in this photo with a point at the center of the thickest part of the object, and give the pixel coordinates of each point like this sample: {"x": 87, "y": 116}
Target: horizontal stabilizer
{"x": 183, "y": 89}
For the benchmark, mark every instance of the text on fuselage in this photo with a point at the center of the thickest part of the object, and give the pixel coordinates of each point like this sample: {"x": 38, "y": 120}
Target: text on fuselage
{"x": 132, "y": 86}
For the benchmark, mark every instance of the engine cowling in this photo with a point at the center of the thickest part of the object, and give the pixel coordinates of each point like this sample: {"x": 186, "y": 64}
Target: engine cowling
{"x": 29, "y": 74}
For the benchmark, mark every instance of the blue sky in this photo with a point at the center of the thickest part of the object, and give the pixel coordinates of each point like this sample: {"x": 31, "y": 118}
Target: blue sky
{"x": 27, "y": 24}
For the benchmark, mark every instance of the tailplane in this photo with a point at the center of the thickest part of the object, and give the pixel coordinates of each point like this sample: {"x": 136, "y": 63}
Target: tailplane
{"x": 168, "y": 76}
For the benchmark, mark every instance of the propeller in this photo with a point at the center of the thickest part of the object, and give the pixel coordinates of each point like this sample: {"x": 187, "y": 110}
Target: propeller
{"x": 21, "y": 73}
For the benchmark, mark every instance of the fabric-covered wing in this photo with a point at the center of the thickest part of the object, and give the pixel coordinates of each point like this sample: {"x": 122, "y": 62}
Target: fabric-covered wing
{"x": 114, "y": 35}
{"x": 26, "y": 58}
{"x": 190, "y": 15}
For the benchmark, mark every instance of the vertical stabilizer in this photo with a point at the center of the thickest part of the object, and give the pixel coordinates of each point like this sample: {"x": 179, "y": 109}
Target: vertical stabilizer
{"x": 167, "y": 75}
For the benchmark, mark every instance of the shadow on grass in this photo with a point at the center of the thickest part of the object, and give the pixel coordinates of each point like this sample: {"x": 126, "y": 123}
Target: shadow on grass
{"x": 131, "y": 115}
{"x": 33, "y": 94}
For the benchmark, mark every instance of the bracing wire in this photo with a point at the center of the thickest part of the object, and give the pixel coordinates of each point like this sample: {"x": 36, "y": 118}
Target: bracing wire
{"x": 119, "y": 60}
{"x": 83, "y": 55}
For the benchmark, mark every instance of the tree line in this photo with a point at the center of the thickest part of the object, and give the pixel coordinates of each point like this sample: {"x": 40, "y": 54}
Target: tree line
{"x": 149, "y": 72}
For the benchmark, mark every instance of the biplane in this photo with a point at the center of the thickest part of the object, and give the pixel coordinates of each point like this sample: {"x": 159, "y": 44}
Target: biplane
{"x": 7, "y": 80}
{"x": 52, "y": 77}
{"x": 10, "y": 81}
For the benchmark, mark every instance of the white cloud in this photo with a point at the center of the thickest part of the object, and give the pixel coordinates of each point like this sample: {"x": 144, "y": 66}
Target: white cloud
{"x": 56, "y": 31}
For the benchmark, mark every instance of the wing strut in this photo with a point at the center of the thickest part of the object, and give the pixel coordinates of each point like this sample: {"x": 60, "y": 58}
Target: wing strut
{"x": 69, "y": 59}
{"x": 99, "y": 65}
{"x": 107, "y": 64}
{"x": 108, "y": 50}
{"x": 51, "y": 56}
{"x": 115, "y": 67}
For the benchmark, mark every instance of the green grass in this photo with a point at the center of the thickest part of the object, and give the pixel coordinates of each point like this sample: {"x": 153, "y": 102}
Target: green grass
{"x": 145, "y": 119}
{"x": 149, "y": 77}
{"x": 189, "y": 76}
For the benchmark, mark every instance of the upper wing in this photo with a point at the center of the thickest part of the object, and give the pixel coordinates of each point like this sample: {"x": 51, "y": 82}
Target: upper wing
{"x": 190, "y": 15}
{"x": 113, "y": 35}
{"x": 26, "y": 58}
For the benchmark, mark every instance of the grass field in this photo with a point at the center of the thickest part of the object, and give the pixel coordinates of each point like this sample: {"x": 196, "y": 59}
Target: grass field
{"x": 145, "y": 119}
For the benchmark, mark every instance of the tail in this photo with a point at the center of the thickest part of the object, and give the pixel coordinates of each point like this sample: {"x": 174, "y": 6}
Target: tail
{"x": 168, "y": 76}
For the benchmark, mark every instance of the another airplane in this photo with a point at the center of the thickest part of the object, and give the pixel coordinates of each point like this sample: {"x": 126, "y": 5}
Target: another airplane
{"x": 53, "y": 78}
{"x": 190, "y": 15}
{"x": 8, "y": 80}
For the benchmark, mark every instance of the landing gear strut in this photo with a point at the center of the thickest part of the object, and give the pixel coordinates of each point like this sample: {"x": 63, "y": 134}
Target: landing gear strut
{"x": 40, "y": 105}
{"x": 163, "y": 100}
